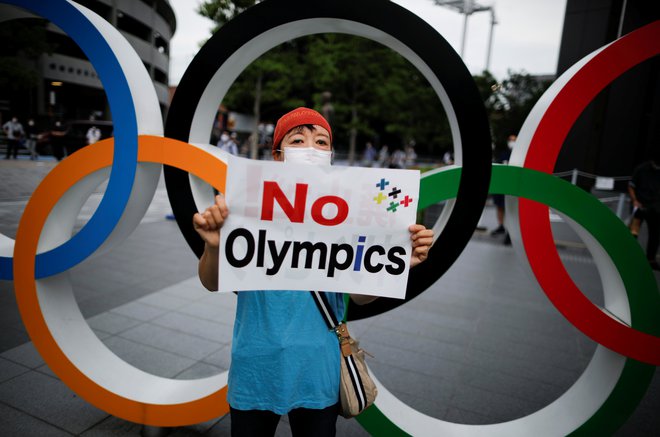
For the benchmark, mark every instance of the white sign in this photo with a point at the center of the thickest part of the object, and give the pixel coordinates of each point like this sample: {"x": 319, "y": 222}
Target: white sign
{"x": 302, "y": 227}
{"x": 603, "y": 183}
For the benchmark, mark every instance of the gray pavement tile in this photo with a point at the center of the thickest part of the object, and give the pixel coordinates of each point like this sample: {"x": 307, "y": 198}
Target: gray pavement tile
{"x": 457, "y": 415}
{"x": 51, "y": 401}
{"x": 204, "y": 309}
{"x": 217, "y": 332}
{"x": 423, "y": 342}
{"x": 222, "y": 428}
{"x": 171, "y": 341}
{"x": 17, "y": 423}
{"x": 199, "y": 370}
{"x": 147, "y": 358}
{"x": 9, "y": 370}
{"x": 422, "y": 324}
{"x": 586, "y": 347}
{"x": 533, "y": 392}
{"x": 112, "y": 323}
{"x": 350, "y": 427}
{"x": 95, "y": 306}
{"x": 530, "y": 353}
{"x": 190, "y": 289}
{"x": 223, "y": 301}
{"x": 139, "y": 311}
{"x": 11, "y": 337}
{"x": 195, "y": 430}
{"x": 436, "y": 312}
{"x": 26, "y": 355}
{"x": 531, "y": 318}
{"x": 101, "y": 334}
{"x": 112, "y": 427}
{"x": 415, "y": 362}
{"x": 162, "y": 300}
{"x": 531, "y": 370}
{"x": 221, "y": 358}
{"x": 46, "y": 370}
{"x": 500, "y": 407}
{"x": 358, "y": 328}
{"x": 488, "y": 327}
{"x": 423, "y": 405}
{"x": 400, "y": 381}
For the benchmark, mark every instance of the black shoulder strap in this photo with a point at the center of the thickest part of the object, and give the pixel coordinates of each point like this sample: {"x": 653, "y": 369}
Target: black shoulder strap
{"x": 322, "y": 304}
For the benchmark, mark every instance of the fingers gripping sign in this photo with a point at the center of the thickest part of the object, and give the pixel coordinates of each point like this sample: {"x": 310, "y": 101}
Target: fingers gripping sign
{"x": 209, "y": 222}
{"x": 422, "y": 239}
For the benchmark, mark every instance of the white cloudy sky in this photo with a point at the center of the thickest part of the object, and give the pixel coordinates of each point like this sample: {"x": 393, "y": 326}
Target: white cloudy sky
{"x": 527, "y": 35}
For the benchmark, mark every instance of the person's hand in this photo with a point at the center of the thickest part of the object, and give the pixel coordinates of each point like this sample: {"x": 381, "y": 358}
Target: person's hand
{"x": 208, "y": 223}
{"x": 422, "y": 239}
{"x": 637, "y": 204}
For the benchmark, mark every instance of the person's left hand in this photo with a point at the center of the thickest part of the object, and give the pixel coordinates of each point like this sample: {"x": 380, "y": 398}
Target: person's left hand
{"x": 422, "y": 239}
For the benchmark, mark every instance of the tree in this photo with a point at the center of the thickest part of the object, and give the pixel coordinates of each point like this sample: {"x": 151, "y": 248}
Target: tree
{"x": 222, "y": 11}
{"x": 509, "y": 102}
{"x": 377, "y": 95}
{"x": 24, "y": 41}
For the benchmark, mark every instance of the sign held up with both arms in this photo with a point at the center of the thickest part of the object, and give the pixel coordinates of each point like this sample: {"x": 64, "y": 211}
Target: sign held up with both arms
{"x": 302, "y": 227}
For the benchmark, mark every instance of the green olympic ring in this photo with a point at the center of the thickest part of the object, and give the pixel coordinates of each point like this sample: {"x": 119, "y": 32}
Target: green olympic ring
{"x": 633, "y": 378}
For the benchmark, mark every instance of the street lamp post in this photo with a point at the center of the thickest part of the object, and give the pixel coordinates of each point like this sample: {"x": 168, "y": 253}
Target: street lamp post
{"x": 493, "y": 22}
{"x": 467, "y": 8}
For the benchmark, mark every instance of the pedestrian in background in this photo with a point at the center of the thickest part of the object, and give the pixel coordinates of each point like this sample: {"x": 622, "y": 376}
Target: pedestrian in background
{"x": 411, "y": 155}
{"x": 383, "y": 156}
{"x": 502, "y": 157}
{"x": 398, "y": 159}
{"x": 369, "y": 155}
{"x": 93, "y": 135}
{"x": 57, "y": 139}
{"x": 31, "y": 136}
{"x": 15, "y": 133}
{"x": 644, "y": 190}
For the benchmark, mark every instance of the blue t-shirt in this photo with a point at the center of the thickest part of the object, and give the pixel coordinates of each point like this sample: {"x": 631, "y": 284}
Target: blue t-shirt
{"x": 283, "y": 354}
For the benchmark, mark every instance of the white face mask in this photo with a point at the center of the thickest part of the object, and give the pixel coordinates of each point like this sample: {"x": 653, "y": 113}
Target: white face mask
{"x": 307, "y": 155}
{"x": 224, "y": 137}
{"x": 511, "y": 144}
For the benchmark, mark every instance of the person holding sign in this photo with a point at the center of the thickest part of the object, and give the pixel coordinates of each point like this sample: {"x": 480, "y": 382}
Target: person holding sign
{"x": 284, "y": 358}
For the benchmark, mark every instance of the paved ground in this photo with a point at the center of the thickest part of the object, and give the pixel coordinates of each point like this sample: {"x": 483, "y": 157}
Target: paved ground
{"x": 483, "y": 345}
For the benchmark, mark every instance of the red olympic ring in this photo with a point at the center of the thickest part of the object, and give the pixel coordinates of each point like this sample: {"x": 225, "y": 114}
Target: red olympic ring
{"x": 535, "y": 228}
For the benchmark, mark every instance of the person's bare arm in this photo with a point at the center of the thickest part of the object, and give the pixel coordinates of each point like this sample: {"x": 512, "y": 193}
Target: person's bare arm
{"x": 208, "y": 225}
{"x": 422, "y": 239}
{"x": 633, "y": 197}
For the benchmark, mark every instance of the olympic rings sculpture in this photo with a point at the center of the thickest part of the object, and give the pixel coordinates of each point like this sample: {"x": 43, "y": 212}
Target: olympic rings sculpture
{"x": 601, "y": 399}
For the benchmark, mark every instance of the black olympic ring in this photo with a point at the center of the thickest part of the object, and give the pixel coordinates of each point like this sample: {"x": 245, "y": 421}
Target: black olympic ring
{"x": 243, "y": 39}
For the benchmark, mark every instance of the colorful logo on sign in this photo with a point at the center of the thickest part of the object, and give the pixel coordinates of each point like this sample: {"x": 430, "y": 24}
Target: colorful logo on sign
{"x": 392, "y": 198}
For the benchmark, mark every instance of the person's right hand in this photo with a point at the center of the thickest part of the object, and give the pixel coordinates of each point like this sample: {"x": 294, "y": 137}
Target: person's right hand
{"x": 208, "y": 223}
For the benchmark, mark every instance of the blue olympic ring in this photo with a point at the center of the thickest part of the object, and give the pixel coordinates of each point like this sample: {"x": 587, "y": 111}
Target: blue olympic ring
{"x": 124, "y": 164}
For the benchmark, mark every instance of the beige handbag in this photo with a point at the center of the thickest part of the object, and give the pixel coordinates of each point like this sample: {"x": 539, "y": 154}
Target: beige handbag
{"x": 357, "y": 391}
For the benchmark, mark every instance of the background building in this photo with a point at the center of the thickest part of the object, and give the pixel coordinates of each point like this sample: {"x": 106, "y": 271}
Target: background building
{"x": 621, "y": 127}
{"x": 68, "y": 87}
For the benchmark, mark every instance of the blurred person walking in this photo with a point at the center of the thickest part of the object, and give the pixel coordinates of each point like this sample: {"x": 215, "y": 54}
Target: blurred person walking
{"x": 31, "y": 136}
{"x": 369, "y": 155}
{"x": 644, "y": 191}
{"x": 15, "y": 133}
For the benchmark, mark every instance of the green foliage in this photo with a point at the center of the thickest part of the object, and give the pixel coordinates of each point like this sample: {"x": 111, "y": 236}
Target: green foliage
{"x": 23, "y": 41}
{"x": 374, "y": 89}
{"x": 222, "y": 11}
{"x": 509, "y": 102}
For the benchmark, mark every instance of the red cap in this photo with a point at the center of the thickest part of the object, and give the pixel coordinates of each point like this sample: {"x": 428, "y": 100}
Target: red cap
{"x": 295, "y": 118}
